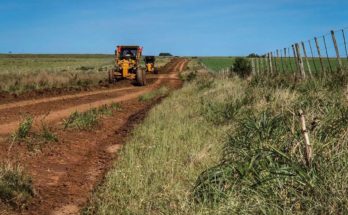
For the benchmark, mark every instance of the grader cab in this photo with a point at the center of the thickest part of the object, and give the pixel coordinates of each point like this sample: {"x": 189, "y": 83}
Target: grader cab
{"x": 127, "y": 65}
{"x": 150, "y": 64}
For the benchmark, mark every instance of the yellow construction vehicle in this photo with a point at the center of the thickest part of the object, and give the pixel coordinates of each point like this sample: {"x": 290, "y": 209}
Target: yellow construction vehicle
{"x": 150, "y": 64}
{"x": 127, "y": 65}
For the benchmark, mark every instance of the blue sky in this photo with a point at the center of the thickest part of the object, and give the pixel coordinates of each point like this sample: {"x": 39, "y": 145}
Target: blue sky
{"x": 182, "y": 27}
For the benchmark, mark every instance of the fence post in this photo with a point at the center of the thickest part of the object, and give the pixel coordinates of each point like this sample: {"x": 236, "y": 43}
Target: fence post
{"x": 319, "y": 54}
{"x": 306, "y": 58}
{"x": 270, "y": 55}
{"x": 275, "y": 62}
{"x": 295, "y": 58}
{"x": 289, "y": 57}
{"x": 336, "y": 49}
{"x": 345, "y": 42}
{"x": 327, "y": 54}
{"x": 253, "y": 66}
{"x": 315, "y": 66}
{"x": 300, "y": 61}
{"x": 267, "y": 63}
{"x": 258, "y": 65}
{"x": 308, "y": 145}
{"x": 282, "y": 61}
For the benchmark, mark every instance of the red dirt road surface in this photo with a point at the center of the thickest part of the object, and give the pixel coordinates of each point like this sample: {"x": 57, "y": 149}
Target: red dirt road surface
{"x": 65, "y": 173}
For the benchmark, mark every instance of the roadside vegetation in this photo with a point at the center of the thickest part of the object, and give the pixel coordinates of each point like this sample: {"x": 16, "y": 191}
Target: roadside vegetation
{"x": 24, "y": 73}
{"x": 161, "y": 92}
{"x": 34, "y": 140}
{"x": 15, "y": 186}
{"x": 230, "y": 145}
{"x": 89, "y": 119}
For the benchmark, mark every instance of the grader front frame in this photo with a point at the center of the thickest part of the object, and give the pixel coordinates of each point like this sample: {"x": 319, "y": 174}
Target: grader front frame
{"x": 127, "y": 65}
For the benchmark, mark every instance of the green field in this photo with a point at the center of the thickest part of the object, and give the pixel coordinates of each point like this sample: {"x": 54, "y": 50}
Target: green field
{"x": 217, "y": 63}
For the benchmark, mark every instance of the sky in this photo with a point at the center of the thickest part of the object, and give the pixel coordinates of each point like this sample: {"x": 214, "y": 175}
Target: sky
{"x": 181, "y": 27}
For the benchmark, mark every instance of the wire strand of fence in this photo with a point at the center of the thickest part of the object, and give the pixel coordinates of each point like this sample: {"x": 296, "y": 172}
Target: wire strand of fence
{"x": 315, "y": 56}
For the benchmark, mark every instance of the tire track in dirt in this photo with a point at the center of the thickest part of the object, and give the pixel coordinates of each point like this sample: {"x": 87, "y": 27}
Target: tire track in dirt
{"x": 65, "y": 174}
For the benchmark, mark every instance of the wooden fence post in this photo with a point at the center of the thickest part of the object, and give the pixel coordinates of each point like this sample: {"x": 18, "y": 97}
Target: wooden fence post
{"x": 336, "y": 49}
{"x": 270, "y": 63}
{"x": 253, "y": 66}
{"x": 300, "y": 61}
{"x": 327, "y": 54}
{"x": 345, "y": 42}
{"x": 267, "y": 63}
{"x": 306, "y": 58}
{"x": 295, "y": 58}
{"x": 319, "y": 54}
{"x": 309, "y": 149}
{"x": 282, "y": 61}
{"x": 289, "y": 57}
{"x": 275, "y": 62}
{"x": 315, "y": 65}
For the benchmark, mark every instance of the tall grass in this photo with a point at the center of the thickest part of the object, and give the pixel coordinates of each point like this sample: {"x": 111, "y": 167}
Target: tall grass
{"x": 263, "y": 170}
{"x": 15, "y": 186}
{"x": 158, "y": 166}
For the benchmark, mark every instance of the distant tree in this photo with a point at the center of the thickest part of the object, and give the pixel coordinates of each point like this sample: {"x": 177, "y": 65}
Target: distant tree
{"x": 165, "y": 54}
{"x": 10, "y": 52}
{"x": 253, "y": 55}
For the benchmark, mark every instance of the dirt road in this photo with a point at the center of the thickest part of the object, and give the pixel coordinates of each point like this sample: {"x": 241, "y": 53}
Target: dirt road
{"x": 65, "y": 173}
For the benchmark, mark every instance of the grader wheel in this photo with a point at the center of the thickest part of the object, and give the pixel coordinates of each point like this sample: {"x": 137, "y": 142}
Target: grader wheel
{"x": 141, "y": 77}
{"x": 111, "y": 77}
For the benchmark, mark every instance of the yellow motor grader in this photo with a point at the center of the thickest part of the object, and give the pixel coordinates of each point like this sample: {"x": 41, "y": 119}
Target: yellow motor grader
{"x": 127, "y": 65}
{"x": 150, "y": 64}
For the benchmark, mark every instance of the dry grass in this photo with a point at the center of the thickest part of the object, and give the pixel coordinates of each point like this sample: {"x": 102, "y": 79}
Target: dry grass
{"x": 23, "y": 73}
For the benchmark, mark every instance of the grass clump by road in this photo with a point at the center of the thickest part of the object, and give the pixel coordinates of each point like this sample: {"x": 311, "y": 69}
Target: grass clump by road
{"x": 225, "y": 145}
{"x": 15, "y": 186}
{"x": 23, "y": 129}
{"x": 89, "y": 119}
{"x": 163, "y": 91}
{"x": 33, "y": 140}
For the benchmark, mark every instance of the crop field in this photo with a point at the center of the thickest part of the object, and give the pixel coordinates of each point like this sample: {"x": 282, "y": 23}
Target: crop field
{"x": 217, "y": 63}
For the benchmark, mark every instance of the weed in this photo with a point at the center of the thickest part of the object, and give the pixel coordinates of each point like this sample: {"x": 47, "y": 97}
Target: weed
{"x": 47, "y": 135}
{"x": 23, "y": 129}
{"x": 89, "y": 119}
{"x": 15, "y": 186}
{"x": 154, "y": 94}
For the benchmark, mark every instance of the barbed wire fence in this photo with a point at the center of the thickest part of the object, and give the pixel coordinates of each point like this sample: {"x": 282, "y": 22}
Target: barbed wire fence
{"x": 310, "y": 58}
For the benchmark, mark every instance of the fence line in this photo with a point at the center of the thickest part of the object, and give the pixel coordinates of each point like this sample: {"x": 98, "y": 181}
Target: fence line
{"x": 329, "y": 54}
